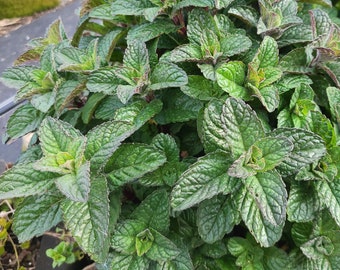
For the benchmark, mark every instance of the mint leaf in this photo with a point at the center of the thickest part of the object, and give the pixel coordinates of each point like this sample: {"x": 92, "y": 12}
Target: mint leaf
{"x": 35, "y": 215}
{"x": 58, "y": 136}
{"x": 154, "y": 211}
{"x": 303, "y": 203}
{"x": 245, "y": 13}
{"x": 66, "y": 93}
{"x": 320, "y": 21}
{"x": 124, "y": 236}
{"x": 268, "y": 54}
{"x": 168, "y": 145}
{"x": 317, "y": 248}
{"x": 241, "y": 126}
{"x": 180, "y": 108}
{"x": 269, "y": 192}
{"x": 215, "y": 218}
{"x": 275, "y": 258}
{"x": 104, "y": 139}
{"x": 166, "y": 75}
{"x": 329, "y": 194}
{"x": 213, "y": 133}
{"x": 203, "y": 180}
{"x": 24, "y": 120}
{"x": 230, "y": 77}
{"x": 147, "y": 31}
{"x": 333, "y": 95}
{"x": 89, "y": 221}
{"x": 201, "y": 88}
{"x": 308, "y": 147}
{"x": 186, "y": 53}
{"x": 233, "y": 44}
{"x": 18, "y": 77}
{"x": 104, "y": 81}
{"x": 162, "y": 248}
{"x": 129, "y": 262}
{"x": 263, "y": 231}
{"x": 23, "y": 181}
{"x": 76, "y": 187}
{"x": 131, "y": 161}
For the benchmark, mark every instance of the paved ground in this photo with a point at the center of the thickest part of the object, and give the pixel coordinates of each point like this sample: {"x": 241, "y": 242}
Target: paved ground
{"x": 14, "y": 43}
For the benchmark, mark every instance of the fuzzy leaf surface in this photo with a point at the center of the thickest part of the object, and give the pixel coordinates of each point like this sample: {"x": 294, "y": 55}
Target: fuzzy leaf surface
{"x": 215, "y": 218}
{"x": 23, "y": 180}
{"x": 154, "y": 211}
{"x": 203, "y": 180}
{"x": 131, "y": 161}
{"x": 308, "y": 147}
{"x": 35, "y": 215}
{"x": 89, "y": 221}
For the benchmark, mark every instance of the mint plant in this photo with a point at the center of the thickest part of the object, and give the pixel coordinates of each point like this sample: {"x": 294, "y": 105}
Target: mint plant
{"x": 184, "y": 134}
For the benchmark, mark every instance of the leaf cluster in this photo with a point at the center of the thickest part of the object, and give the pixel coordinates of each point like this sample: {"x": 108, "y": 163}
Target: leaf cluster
{"x": 184, "y": 134}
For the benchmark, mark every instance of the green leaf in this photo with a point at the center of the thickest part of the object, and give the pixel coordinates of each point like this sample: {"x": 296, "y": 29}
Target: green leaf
{"x": 107, "y": 108}
{"x": 295, "y": 61}
{"x": 275, "y": 258}
{"x": 66, "y": 93}
{"x": 269, "y": 192}
{"x": 73, "y": 59}
{"x": 234, "y": 44}
{"x": 178, "y": 108}
{"x": 44, "y": 102}
{"x": 329, "y": 194}
{"x": 186, "y": 53}
{"x": 147, "y": 31}
{"x": 162, "y": 248}
{"x": 166, "y": 75}
{"x": 300, "y": 33}
{"x": 103, "y": 80}
{"x": 135, "y": 8}
{"x": 201, "y": 88}
{"x": 264, "y": 155}
{"x": 131, "y": 161}
{"x": 129, "y": 262}
{"x": 89, "y": 221}
{"x": 265, "y": 233}
{"x": 333, "y": 95}
{"x": 195, "y": 3}
{"x": 241, "y": 126}
{"x": 303, "y": 203}
{"x": 230, "y": 77}
{"x": 215, "y": 218}
{"x": 168, "y": 145}
{"x": 90, "y": 106}
{"x": 107, "y": 44}
{"x": 24, "y": 120}
{"x": 136, "y": 58}
{"x": 22, "y": 181}
{"x": 332, "y": 69}
{"x": 248, "y": 255}
{"x": 292, "y": 81}
{"x": 58, "y": 136}
{"x": 203, "y": 180}
{"x": 308, "y": 148}
{"x": 76, "y": 187}
{"x": 182, "y": 261}
{"x": 35, "y": 215}
{"x": 144, "y": 241}
{"x": 317, "y": 248}
{"x": 320, "y": 21}
{"x": 154, "y": 211}
{"x": 124, "y": 236}
{"x": 104, "y": 139}
{"x": 268, "y": 54}
{"x": 17, "y": 77}
{"x": 213, "y": 133}
{"x": 245, "y": 13}
{"x": 322, "y": 126}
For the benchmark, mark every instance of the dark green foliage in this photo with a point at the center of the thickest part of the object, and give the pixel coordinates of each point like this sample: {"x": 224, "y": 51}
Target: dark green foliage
{"x": 185, "y": 134}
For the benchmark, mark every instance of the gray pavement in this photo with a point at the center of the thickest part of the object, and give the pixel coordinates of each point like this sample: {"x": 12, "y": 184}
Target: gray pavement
{"x": 14, "y": 44}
